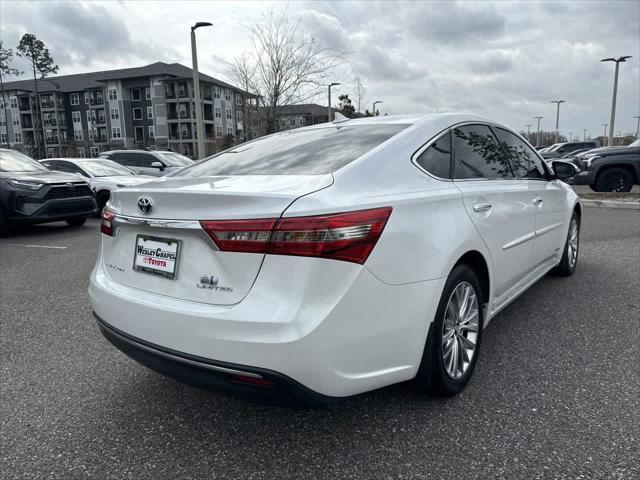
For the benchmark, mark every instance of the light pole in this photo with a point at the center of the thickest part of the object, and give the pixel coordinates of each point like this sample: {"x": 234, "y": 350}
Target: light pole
{"x": 374, "y": 106}
{"x": 570, "y": 136}
{"x": 605, "y": 125}
{"x": 638, "y": 127}
{"x": 557, "y": 102}
{"x": 329, "y": 111}
{"x": 584, "y": 134}
{"x": 196, "y": 89}
{"x": 538, "y": 134}
{"x": 615, "y": 92}
{"x": 528, "y": 125}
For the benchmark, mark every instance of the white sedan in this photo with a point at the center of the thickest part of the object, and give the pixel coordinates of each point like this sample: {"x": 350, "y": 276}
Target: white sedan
{"x": 103, "y": 175}
{"x": 330, "y": 260}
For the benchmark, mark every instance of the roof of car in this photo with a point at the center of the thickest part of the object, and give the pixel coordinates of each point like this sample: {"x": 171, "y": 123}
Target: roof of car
{"x": 410, "y": 119}
{"x": 74, "y": 159}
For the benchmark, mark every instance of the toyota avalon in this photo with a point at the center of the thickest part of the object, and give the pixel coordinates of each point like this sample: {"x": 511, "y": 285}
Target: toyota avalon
{"x": 330, "y": 260}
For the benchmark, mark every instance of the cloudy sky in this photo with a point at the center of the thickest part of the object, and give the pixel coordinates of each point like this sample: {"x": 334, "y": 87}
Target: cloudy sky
{"x": 505, "y": 60}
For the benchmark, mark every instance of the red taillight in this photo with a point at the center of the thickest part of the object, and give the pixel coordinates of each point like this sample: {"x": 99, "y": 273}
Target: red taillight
{"x": 347, "y": 236}
{"x": 106, "y": 219}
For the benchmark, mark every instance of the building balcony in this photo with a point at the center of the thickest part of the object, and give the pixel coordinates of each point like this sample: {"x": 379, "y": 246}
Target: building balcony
{"x": 48, "y": 104}
{"x": 185, "y": 115}
{"x": 52, "y": 140}
{"x": 24, "y": 104}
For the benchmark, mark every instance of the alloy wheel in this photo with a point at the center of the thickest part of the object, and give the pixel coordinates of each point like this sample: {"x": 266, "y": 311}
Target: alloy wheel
{"x": 572, "y": 243}
{"x": 460, "y": 330}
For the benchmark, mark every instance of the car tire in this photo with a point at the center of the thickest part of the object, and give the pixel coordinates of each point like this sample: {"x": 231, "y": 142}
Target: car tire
{"x": 102, "y": 197}
{"x": 76, "y": 222}
{"x": 451, "y": 333}
{"x": 614, "y": 180}
{"x": 569, "y": 261}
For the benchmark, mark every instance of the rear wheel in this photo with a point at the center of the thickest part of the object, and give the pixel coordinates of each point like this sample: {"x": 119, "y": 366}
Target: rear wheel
{"x": 570, "y": 255}
{"x": 455, "y": 334}
{"x": 614, "y": 180}
{"x": 76, "y": 222}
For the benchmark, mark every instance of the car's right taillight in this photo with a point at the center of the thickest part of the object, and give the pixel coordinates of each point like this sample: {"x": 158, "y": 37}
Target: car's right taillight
{"x": 349, "y": 236}
{"x": 106, "y": 222}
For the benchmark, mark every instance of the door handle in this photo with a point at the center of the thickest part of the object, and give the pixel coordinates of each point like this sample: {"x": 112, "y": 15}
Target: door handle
{"x": 537, "y": 201}
{"x": 481, "y": 207}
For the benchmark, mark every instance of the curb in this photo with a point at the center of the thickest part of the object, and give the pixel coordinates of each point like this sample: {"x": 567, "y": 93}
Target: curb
{"x": 611, "y": 204}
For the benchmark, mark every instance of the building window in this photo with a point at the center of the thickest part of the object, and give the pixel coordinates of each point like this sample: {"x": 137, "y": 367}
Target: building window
{"x": 113, "y": 94}
{"x": 95, "y": 151}
{"x": 87, "y": 98}
{"x": 99, "y": 97}
{"x": 152, "y": 133}
{"x": 218, "y": 130}
{"x": 229, "y": 117}
{"x": 3, "y": 138}
{"x": 139, "y": 134}
{"x": 1, "y": 104}
{"x": 216, "y": 92}
{"x": 150, "y": 113}
{"x": 239, "y": 116}
{"x": 115, "y": 114}
{"x": 80, "y": 152}
{"x": 137, "y": 114}
{"x": 75, "y": 117}
{"x": 77, "y": 135}
{"x": 292, "y": 122}
{"x": 13, "y": 102}
{"x": 115, "y": 132}
{"x": 75, "y": 99}
{"x": 147, "y": 93}
{"x": 182, "y": 89}
{"x": 135, "y": 94}
{"x": 227, "y": 95}
{"x": 16, "y": 120}
{"x": 18, "y": 137}
{"x": 185, "y": 131}
{"x": 229, "y": 130}
{"x": 238, "y": 100}
{"x": 217, "y": 110}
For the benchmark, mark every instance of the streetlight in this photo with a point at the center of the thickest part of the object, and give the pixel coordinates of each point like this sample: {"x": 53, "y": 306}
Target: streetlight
{"x": 604, "y": 137}
{"x": 196, "y": 89}
{"x": 330, "y": 113}
{"x": 374, "y": 106}
{"x": 570, "y": 136}
{"x": 615, "y": 92}
{"x": 538, "y": 134}
{"x": 638, "y": 127}
{"x": 557, "y": 102}
{"x": 584, "y": 134}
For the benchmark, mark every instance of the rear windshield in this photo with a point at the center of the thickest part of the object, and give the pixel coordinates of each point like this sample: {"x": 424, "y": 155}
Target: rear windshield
{"x": 174, "y": 159}
{"x": 297, "y": 152}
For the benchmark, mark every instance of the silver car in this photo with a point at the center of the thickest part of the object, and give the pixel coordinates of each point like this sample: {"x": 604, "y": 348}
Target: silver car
{"x": 149, "y": 162}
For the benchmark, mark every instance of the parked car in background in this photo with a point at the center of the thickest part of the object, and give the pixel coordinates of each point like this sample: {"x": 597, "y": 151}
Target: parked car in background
{"x": 148, "y": 162}
{"x": 560, "y": 149}
{"x": 329, "y": 260}
{"x": 30, "y": 194}
{"x": 103, "y": 175}
{"x": 609, "y": 169}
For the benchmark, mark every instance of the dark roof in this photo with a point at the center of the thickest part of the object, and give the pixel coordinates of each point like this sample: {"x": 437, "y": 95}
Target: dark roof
{"x": 84, "y": 81}
{"x": 303, "y": 109}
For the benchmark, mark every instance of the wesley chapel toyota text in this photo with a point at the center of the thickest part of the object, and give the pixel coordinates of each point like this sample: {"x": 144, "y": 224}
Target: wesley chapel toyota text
{"x": 334, "y": 259}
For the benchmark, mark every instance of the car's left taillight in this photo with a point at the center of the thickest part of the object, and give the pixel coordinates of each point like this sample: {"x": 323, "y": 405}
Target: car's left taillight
{"x": 106, "y": 222}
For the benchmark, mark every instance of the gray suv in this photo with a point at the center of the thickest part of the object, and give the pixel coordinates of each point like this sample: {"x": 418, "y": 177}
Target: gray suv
{"x": 148, "y": 162}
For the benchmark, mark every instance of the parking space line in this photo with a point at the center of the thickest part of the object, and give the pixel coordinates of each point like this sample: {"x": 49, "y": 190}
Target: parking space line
{"x": 25, "y": 245}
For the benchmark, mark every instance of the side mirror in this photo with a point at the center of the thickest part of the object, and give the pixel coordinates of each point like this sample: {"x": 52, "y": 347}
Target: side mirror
{"x": 158, "y": 165}
{"x": 563, "y": 170}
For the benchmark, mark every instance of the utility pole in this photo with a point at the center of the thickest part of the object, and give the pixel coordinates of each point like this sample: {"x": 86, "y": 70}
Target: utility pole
{"x": 329, "y": 111}
{"x": 570, "y": 136}
{"x": 557, "y": 102}
{"x": 638, "y": 127}
{"x": 196, "y": 90}
{"x": 605, "y": 125}
{"x": 618, "y": 61}
{"x": 538, "y": 134}
{"x": 584, "y": 134}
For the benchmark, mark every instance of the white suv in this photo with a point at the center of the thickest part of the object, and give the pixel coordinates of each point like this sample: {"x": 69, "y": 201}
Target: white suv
{"x": 326, "y": 261}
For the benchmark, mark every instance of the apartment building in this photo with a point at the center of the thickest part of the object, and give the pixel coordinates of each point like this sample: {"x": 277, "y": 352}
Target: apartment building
{"x": 143, "y": 107}
{"x": 301, "y": 115}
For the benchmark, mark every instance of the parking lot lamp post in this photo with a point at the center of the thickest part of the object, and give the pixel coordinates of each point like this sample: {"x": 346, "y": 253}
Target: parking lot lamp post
{"x": 584, "y": 134}
{"x": 538, "y": 134}
{"x": 570, "y": 136}
{"x": 604, "y": 139}
{"x": 637, "y": 127}
{"x": 615, "y": 92}
{"x": 329, "y": 111}
{"x": 196, "y": 89}
{"x": 557, "y": 102}
{"x": 374, "y": 107}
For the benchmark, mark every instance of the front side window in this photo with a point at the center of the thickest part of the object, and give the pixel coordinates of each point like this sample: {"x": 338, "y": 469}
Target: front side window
{"x": 437, "y": 158}
{"x": 297, "y": 152}
{"x": 477, "y": 154}
{"x": 524, "y": 162}
{"x": 105, "y": 168}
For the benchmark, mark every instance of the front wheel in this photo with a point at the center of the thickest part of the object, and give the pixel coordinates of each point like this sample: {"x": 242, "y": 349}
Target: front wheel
{"x": 569, "y": 260}
{"x": 614, "y": 180}
{"x": 76, "y": 222}
{"x": 456, "y": 333}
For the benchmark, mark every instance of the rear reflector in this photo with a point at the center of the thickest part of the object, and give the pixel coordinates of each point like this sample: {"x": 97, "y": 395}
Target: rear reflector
{"x": 106, "y": 219}
{"x": 347, "y": 236}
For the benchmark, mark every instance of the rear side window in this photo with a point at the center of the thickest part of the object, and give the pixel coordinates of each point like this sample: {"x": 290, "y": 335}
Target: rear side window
{"x": 296, "y": 152}
{"x": 524, "y": 162}
{"x": 437, "y": 158}
{"x": 133, "y": 159}
{"x": 477, "y": 154}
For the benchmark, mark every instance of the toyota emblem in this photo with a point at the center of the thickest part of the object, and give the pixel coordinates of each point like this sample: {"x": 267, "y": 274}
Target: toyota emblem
{"x": 144, "y": 204}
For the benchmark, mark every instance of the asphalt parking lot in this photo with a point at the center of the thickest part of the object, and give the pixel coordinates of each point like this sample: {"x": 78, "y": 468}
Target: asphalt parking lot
{"x": 556, "y": 393}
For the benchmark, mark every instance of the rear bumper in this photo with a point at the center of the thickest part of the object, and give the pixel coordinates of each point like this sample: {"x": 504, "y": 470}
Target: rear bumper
{"x": 214, "y": 375}
{"x": 331, "y": 327}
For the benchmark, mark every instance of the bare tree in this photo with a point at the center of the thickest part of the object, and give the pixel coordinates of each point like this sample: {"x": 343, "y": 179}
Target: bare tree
{"x": 290, "y": 67}
{"x": 242, "y": 70}
{"x": 360, "y": 93}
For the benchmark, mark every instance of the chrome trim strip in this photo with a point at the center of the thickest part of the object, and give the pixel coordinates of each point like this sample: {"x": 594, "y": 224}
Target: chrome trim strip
{"x": 187, "y": 361}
